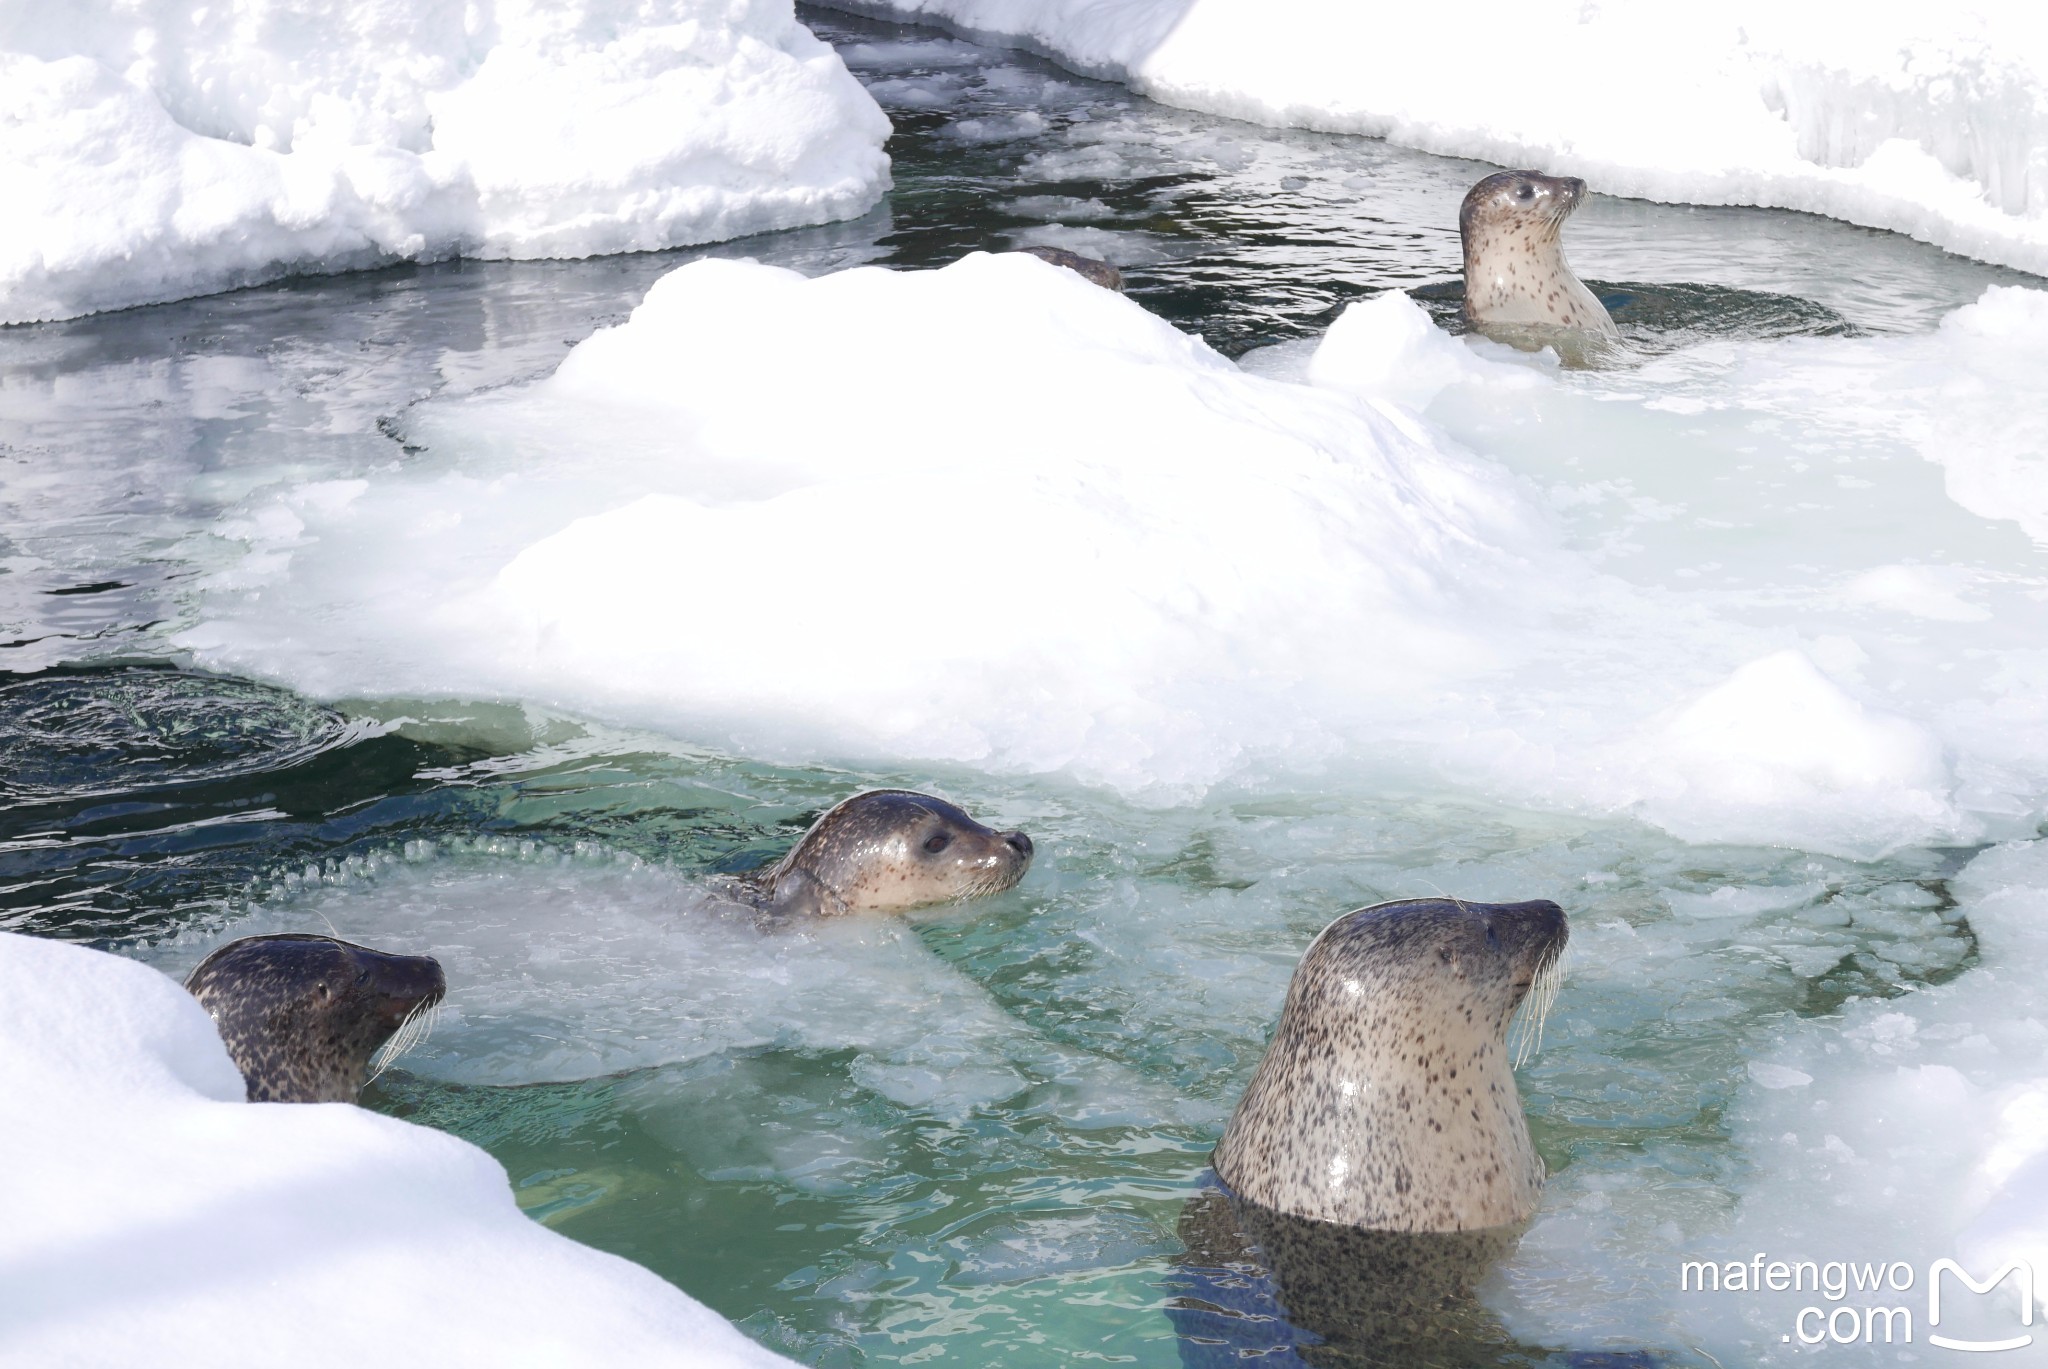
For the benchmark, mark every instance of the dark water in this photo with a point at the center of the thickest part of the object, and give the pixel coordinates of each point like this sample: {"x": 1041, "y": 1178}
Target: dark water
{"x": 139, "y": 799}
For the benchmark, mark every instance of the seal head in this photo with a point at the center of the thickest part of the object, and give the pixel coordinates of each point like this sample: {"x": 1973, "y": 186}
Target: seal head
{"x": 1515, "y": 272}
{"x": 303, "y": 1015}
{"x": 889, "y": 851}
{"x": 1386, "y": 1099}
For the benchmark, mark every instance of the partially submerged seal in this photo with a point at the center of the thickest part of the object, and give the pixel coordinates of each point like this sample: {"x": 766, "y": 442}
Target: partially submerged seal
{"x": 1516, "y": 276}
{"x": 1386, "y": 1099}
{"x": 302, "y": 1016}
{"x": 1100, "y": 272}
{"x": 889, "y": 851}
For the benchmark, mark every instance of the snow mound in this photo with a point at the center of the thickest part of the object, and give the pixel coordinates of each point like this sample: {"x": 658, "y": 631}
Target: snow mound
{"x": 990, "y": 514}
{"x": 996, "y": 517}
{"x": 1927, "y": 120}
{"x": 154, "y": 151}
{"x": 157, "y": 1218}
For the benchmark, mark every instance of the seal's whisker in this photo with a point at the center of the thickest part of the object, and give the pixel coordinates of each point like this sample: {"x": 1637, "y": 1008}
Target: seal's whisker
{"x": 1526, "y": 1033}
{"x": 412, "y": 1032}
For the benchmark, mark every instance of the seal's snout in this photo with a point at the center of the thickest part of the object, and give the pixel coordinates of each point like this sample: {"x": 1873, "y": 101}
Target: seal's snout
{"x": 1535, "y": 932}
{"x": 1019, "y": 843}
{"x": 402, "y": 984}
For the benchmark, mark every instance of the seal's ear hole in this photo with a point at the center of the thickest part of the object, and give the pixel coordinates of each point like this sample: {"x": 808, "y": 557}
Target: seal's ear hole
{"x": 1444, "y": 955}
{"x": 938, "y": 841}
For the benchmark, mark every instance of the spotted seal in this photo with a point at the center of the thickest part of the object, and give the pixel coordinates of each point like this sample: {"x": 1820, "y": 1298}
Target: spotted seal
{"x": 889, "y": 851}
{"x": 1088, "y": 268}
{"x": 1516, "y": 276}
{"x": 1386, "y": 1099}
{"x": 303, "y": 1015}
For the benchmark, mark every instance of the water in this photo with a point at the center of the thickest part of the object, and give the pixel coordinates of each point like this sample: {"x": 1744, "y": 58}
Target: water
{"x": 970, "y": 1137}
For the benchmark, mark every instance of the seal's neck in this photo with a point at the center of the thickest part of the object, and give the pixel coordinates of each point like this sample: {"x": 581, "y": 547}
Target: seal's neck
{"x": 1369, "y": 1119}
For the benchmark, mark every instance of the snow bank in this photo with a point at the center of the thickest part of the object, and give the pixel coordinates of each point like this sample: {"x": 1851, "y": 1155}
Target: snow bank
{"x": 1929, "y": 120}
{"x": 157, "y": 1218}
{"x": 155, "y": 150}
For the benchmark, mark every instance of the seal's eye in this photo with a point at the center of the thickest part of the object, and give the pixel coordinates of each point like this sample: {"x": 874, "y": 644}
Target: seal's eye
{"x": 1526, "y": 191}
{"x": 938, "y": 841}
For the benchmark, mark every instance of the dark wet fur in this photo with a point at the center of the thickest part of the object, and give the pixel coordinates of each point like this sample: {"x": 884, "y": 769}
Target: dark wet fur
{"x": 302, "y": 1015}
{"x": 1100, "y": 272}
{"x": 1257, "y": 1287}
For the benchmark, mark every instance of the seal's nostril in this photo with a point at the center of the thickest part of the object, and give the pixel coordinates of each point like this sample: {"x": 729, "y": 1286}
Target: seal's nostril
{"x": 1018, "y": 842}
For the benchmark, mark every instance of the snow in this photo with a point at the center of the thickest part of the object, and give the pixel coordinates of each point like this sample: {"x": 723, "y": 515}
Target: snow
{"x": 1927, "y": 120}
{"x": 1135, "y": 564}
{"x": 158, "y": 1218}
{"x": 154, "y": 150}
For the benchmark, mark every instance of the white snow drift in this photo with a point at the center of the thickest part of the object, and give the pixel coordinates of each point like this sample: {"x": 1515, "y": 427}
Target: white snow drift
{"x": 1926, "y": 119}
{"x": 156, "y": 150}
{"x": 157, "y": 1218}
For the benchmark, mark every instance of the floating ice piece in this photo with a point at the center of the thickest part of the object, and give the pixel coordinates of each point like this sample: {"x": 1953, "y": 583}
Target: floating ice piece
{"x": 159, "y": 1219}
{"x": 1388, "y": 347}
{"x": 1927, "y": 120}
{"x": 1779, "y": 753}
{"x": 154, "y": 151}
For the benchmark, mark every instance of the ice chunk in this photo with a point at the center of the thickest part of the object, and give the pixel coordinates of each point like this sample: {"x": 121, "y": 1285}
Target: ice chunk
{"x": 158, "y": 1218}
{"x": 1778, "y": 746}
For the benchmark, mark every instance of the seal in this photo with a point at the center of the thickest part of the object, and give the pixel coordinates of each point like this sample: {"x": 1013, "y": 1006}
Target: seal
{"x": 889, "y": 851}
{"x": 1100, "y": 272}
{"x": 1256, "y": 1285}
{"x": 302, "y": 1016}
{"x": 1386, "y": 1099}
{"x": 1515, "y": 272}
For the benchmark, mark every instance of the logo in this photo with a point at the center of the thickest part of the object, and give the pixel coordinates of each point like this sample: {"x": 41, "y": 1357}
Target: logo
{"x": 2026, "y": 1287}
{"x": 1852, "y": 1321}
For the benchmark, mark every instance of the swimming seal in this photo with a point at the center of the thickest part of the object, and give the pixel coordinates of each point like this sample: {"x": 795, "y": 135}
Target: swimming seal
{"x": 1100, "y": 272}
{"x": 1515, "y": 272}
{"x": 302, "y": 1015}
{"x": 1386, "y": 1099}
{"x": 889, "y": 851}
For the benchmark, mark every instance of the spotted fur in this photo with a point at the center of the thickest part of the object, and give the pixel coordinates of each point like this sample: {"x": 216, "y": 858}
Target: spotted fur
{"x": 1385, "y": 1099}
{"x": 301, "y": 1016}
{"x": 889, "y": 851}
{"x": 1515, "y": 271}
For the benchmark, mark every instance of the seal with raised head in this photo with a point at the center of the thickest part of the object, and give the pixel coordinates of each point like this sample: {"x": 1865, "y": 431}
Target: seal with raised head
{"x": 303, "y": 1015}
{"x": 1386, "y": 1099}
{"x": 1515, "y": 272}
{"x": 889, "y": 851}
